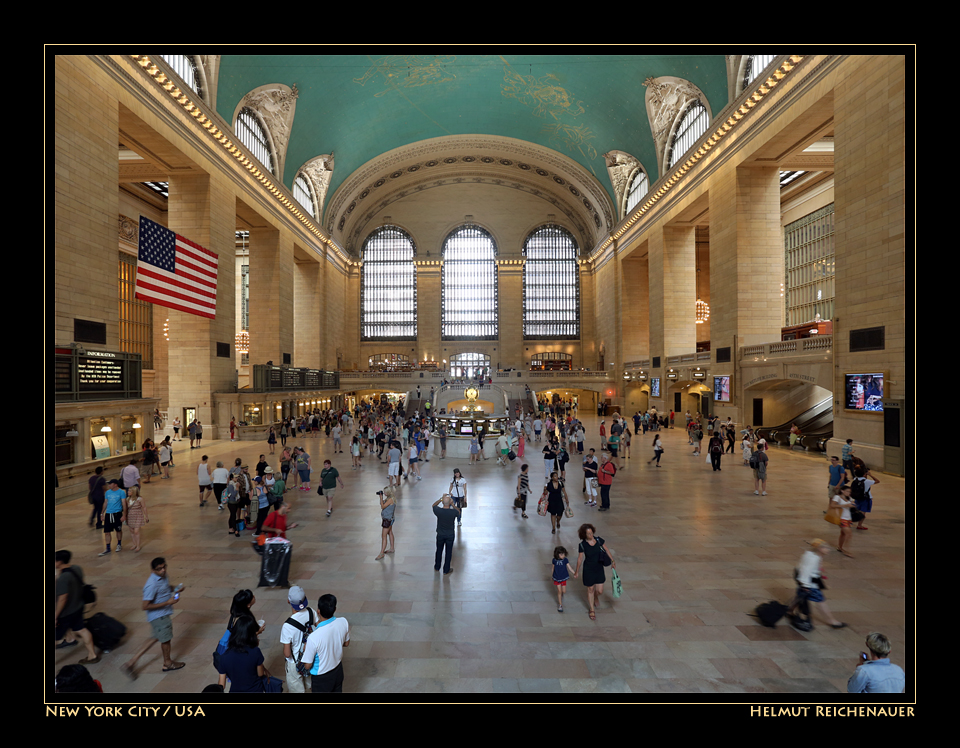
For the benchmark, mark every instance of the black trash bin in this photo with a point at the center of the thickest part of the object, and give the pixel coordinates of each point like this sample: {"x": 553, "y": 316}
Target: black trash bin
{"x": 275, "y": 565}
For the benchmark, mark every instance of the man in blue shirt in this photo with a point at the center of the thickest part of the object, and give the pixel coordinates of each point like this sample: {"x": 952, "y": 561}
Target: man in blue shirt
{"x": 838, "y": 479}
{"x": 874, "y": 673}
{"x": 114, "y": 513}
{"x": 158, "y": 600}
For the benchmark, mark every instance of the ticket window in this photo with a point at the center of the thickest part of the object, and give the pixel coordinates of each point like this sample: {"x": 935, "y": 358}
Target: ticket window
{"x": 253, "y": 415}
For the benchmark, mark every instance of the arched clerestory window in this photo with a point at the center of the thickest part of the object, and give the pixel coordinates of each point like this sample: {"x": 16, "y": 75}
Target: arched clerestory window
{"x": 637, "y": 190}
{"x": 252, "y": 134}
{"x": 186, "y": 67}
{"x": 752, "y": 67}
{"x": 551, "y": 285}
{"x": 303, "y": 194}
{"x": 469, "y": 285}
{"x": 388, "y": 286}
{"x": 693, "y": 124}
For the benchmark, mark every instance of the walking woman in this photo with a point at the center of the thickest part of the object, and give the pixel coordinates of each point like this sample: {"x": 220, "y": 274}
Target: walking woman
{"x": 231, "y": 497}
{"x": 657, "y": 450}
{"x": 136, "y": 514}
{"x": 272, "y": 440}
{"x": 593, "y": 577}
{"x": 625, "y": 441}
{"x": 284, "y": 431}
{"x": 458, "y": 492}
{"x": 557, "y": 500}
{"x": 388, "y": 506}
{"x": 523, "y": 489}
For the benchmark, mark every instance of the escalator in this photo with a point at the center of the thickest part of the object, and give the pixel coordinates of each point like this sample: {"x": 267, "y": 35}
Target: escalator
{"x": 815, "y": 424}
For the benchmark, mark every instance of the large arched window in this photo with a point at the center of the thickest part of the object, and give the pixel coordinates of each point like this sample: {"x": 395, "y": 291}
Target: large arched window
{"x": 638, "y": 189}
{"x": 551, "y": 285}
{"x": 254, "y": 137}
{"x": 693, "y": 125}
{"x": 388, "y": 286}
{"x": 469, "y": 285}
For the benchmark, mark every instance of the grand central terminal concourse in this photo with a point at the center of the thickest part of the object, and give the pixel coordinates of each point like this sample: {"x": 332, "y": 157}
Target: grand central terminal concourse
{"x": 422, "y": 284}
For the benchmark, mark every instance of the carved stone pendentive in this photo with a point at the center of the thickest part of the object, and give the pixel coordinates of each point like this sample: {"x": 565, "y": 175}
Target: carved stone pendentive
{"x": 128, "y": 229}
{"x": 276, "y": 104}
{"x": 666, "y": 99}
{"x": 208, "y": 67}
{"x": 620, "y": 166}
{"x": 319, "y": 171}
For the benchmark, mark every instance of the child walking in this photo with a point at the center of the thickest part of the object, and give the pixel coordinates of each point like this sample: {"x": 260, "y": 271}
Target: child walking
{"x": 561, "y": 573}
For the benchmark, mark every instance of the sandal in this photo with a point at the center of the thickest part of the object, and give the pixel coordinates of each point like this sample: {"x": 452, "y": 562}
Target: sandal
{"x": 379, "y": 557}
{"x": 593, "y": 616}
{"x": 861, "y": 527}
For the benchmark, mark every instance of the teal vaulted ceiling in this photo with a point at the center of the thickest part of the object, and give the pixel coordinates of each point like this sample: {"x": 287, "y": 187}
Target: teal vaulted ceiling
{"x": 360, "y": 106}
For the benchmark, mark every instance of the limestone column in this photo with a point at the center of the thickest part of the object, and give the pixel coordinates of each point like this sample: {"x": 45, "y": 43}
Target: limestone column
{"x": 307, "y": 324}
{"x": 428, "y": 311}
{"x": 869, "y": 190}
{"x": 746, "y": 258}
{"x": 271, "y": 296}
{"x": 510, "y": 352}
{"x": 635, "y": 306}
{"x": 201, "y": 360}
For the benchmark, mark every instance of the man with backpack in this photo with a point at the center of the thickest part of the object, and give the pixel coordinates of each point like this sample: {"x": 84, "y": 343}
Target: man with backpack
{"x": 293, "y": 637}
{"x": 68, "y": 617}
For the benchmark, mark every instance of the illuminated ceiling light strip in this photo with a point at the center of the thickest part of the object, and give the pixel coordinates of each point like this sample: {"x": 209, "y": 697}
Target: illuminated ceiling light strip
{"x": 732, "y": 121}
{"x": 179, "y": 97}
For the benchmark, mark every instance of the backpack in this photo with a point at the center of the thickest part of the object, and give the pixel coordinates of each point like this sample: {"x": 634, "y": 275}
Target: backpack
{"x": 755, "y": 461}
{"x": 87, "y": 594}
{"x": 858, "y": 489}
{"x": 305, "y": 628}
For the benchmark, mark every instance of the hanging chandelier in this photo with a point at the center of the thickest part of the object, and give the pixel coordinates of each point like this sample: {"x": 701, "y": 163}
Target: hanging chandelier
{"x": 703, "y": 310}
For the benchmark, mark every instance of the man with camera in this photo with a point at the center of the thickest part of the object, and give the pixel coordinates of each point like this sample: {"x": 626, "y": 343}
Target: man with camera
{"x": 874, "y": 673}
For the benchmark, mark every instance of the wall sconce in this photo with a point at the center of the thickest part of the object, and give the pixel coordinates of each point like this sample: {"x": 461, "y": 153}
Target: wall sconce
{"x": 106, "y": 430}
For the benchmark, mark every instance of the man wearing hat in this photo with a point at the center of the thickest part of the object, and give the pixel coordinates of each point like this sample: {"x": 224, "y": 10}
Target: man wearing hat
{"x": 293, "y": 637}
{"x": 276, "y": 487}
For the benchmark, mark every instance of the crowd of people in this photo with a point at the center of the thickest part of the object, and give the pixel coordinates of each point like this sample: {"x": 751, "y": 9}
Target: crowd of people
{"x": 313, "y": 640}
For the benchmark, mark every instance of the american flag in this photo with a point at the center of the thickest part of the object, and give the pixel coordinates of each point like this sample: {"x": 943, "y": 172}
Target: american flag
{"x": 175, "y": 272}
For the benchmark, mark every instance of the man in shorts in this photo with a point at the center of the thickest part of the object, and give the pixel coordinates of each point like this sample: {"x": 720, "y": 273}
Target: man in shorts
{"x": 68, "y": 618}
{"x": 114, "y": 513}
{"x": 158, "y": 601}
{"x": 337, "y": 443}
{"x": 328, "y": 482}
{"x": 393, "y": 469}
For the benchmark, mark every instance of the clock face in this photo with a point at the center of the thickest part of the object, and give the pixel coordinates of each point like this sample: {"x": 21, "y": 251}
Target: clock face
{"x": 471, "y": 393}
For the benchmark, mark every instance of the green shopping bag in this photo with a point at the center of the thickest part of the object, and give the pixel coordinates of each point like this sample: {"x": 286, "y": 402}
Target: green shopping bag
{"x": 616, "y": 583}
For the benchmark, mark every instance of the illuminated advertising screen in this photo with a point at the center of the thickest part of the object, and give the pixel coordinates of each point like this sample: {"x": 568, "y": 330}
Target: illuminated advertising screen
{"x": 721, "y": 389}
{"x": 863, "y": 392}
{"x": 654, "y": 386}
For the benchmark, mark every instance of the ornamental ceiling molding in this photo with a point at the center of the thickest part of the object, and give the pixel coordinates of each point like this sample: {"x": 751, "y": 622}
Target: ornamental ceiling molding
{"x": 360, "y": 221}
{"x": 666, "y": 99}
{"x": 276, "y": 104}
{"x": 621, "y": 166}
{"x": 208, "y": 68}
{"x": 494, "y": 152}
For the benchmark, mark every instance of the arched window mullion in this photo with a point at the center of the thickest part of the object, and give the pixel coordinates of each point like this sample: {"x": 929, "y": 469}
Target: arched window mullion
{"x": 252, "y": 134}
{"x": 693, "y": 124}
{"x": 469, "y": 294}
{"x": 551, "y": 285}
{"x": 388, "y": 286}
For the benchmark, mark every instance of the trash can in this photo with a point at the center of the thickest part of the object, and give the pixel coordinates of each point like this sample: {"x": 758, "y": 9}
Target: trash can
{"x": 275, "y": 563}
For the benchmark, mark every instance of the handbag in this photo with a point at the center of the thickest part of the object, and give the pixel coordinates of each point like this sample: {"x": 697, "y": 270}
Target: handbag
{"x": 568, "y": 512}
{"x": 240, "y": 525}
{"x": 542, "y": 507}
{"x": 616, "y": 583}
{"x": 272, "y": 685}
{"x": 834, "y": 515}
{"x": 605, "y": 559}
{"x": 384, "y": 523}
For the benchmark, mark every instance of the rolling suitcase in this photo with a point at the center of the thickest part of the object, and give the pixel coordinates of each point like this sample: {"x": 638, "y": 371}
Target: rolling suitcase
{"x": 106, "y": 631}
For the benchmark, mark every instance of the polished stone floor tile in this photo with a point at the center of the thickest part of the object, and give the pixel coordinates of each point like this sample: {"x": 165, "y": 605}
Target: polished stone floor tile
{"x": 697, "y": 551}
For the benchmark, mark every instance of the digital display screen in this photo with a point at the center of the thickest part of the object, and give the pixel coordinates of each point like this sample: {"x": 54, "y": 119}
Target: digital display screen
{"x": 863, "y": 392}
{"x": 655, "y": 387}
{"x": 721, "y": 389}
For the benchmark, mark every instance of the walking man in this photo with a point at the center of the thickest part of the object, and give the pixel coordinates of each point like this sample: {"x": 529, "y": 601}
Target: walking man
{"x": 68, "y": 618}
{"x": 446, "y": 516}
{"x": 605, "y": 479}
{"x": 158, "y": 601}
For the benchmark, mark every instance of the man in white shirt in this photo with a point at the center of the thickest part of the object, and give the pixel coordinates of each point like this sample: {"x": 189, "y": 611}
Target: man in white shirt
{"x": 293, "y": 637}
{"x": 323, "y": 653}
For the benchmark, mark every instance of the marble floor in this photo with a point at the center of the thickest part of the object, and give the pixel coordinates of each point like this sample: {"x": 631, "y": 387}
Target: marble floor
{"x": 696, "y": 550}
